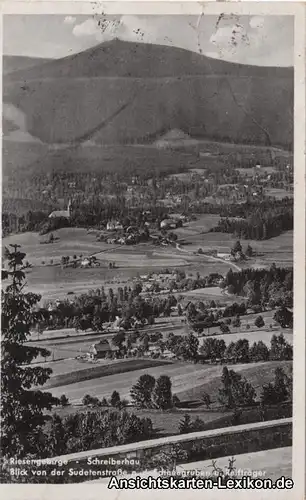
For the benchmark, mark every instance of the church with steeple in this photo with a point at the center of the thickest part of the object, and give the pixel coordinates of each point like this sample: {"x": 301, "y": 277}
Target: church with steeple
{"x": 62, "y": 213}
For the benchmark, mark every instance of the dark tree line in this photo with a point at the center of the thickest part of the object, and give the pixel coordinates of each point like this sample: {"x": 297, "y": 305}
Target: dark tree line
{"x": 91, "y": 310}
{"x": 258, "y": 226}
{"x": 214, "y": 349}
{"x": 272, "y": 287}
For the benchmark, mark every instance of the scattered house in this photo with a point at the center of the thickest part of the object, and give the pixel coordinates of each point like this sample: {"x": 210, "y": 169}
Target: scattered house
{"x": 154, "y": 349}
{"x": 168, "y": 354}
{"x": 101, "y": 349}
{"x": 147, "y": 287}
{"x": 90, "y": 262}
{"x": 61, "y": 213}
{"x": 114, "y": 226}
{"x": 85, "y": 262}
{"x": 168, "y": 224}
{"x": 52, "y": 306}
{"x": 178, "y": 217}
{"x": 225, "y": 256}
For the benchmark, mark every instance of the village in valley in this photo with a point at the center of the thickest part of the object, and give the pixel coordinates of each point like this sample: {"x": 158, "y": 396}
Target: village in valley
{"x": 181, "y": 272}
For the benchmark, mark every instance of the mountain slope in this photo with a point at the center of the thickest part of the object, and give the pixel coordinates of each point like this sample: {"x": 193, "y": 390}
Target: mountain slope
{"x": 11, "y": 64}
{"x": 147, "y": 89}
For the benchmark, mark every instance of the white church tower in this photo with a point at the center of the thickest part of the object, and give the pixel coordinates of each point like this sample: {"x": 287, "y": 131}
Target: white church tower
{"x": 69, "y": 209}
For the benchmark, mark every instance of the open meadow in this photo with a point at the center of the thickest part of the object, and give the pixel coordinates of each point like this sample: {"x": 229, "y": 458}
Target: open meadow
{"x": 257, "y": 374}
{"x": 201, "y": 225}
{"x": 48, "y": 278}
{"x": 278, "y": 249}
{"x": 209, "y": 293}
{"x": 279, "y": 193}
{"x": 189, "y": 381}
{"x": 90, "y": 371}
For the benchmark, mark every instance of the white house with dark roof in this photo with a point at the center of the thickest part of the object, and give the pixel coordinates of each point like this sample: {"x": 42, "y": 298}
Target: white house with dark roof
{"x": 114, "y": 226}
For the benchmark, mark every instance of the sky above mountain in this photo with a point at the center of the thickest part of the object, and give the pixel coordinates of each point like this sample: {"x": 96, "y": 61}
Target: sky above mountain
{"x": 266, "y": 41}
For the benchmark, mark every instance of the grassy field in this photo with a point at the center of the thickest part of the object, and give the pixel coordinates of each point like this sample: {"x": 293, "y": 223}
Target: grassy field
{"x": 279, "y": 193}
{"x": 71, "y": 241}
{"x": 196, "y": 235}
{"x": 194, "y": 228}
{"x": 53, "y": 282}
{"x": 257, "y": 374}
{"x": 251, "y": 171}
{"x": 100, "y": 370}
{"x": 209, "y": 293}
{"x": 278, "y": 249}
{"x": 188, "y": 380}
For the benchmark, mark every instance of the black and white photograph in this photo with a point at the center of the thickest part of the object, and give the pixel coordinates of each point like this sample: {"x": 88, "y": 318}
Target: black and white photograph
{"x": 148, "y": 196}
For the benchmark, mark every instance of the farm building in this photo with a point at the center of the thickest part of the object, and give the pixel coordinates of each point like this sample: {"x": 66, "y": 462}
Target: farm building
{"x": 61, "y": 213}
{"x": 101, "y": 349}
{"x": 181, "y": 217}
{"x": 168, "y": 224}
{"x": 85, "y": 262}
{"x": 114, "y": 226}
{"x": 89, "y": 262}
{"x": 225, "y": 256}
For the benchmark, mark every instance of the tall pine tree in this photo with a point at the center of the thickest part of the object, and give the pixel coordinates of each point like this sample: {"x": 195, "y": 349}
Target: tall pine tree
{"x": 22, "y": 405}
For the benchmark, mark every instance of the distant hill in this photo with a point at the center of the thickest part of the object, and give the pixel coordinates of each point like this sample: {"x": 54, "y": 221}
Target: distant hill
{"x": 120, "y": 92}
{"x": 118, "y": 58}
{"x": 11, "y": 64}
